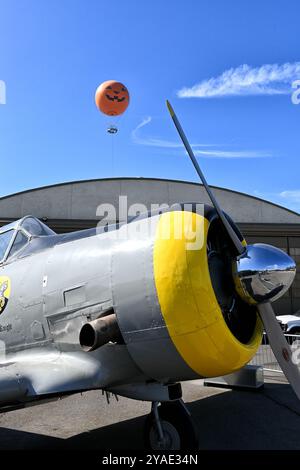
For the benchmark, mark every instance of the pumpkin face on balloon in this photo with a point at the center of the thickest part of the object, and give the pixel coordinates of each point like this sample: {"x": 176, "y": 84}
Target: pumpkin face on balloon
{"x": 112, "y": 98}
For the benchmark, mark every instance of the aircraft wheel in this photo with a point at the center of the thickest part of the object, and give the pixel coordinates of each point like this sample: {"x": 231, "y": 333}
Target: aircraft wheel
{"x": 177, "y": 428}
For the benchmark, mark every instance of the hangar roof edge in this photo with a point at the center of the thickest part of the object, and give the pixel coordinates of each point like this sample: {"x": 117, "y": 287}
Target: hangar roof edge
{"x": 167, "y": 180}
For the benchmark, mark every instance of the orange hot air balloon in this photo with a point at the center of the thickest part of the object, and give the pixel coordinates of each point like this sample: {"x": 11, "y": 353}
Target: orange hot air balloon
{"x": 112, "y": 98}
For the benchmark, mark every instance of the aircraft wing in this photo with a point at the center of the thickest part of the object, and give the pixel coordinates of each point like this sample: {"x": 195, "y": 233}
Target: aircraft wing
{"x": 39, "y": 374}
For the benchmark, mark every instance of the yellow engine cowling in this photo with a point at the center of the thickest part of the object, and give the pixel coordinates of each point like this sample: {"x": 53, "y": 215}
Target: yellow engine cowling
{"x": 188, "y": 301}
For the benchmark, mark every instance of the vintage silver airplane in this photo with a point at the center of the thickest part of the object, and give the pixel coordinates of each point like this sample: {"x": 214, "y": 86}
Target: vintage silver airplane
{"x": 130, "y": 311}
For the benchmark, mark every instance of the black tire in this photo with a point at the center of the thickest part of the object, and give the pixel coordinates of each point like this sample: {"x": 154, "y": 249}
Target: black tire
{"x": 178, "y": 427}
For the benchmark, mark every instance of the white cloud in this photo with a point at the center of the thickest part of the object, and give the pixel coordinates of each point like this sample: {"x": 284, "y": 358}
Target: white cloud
{"x": 213, "y": 153}
{"x": 292, "y": 195}
{"x": 269, "y": 79}
{"x": 288, "y": 198}
{"x": 233, "y": 153}
{"x": 291, "y": 199}
{"x": 150, "y": 141}
{"x": 144, "y": 122}
{"x": 154, "y": 142}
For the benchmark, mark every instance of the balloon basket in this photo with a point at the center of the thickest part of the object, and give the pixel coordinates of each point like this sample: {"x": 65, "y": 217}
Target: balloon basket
{"x": 112, "y": 129}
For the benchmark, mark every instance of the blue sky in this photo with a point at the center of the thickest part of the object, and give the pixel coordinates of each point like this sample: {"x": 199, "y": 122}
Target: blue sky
{"x": 241, "y": 120}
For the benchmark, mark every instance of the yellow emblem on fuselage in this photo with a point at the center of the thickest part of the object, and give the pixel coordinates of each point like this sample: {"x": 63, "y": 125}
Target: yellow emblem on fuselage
{"x": 4, "y": 292}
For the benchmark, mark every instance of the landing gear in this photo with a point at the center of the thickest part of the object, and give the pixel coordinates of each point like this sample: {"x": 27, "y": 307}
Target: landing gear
{"x": 169, "y": 426}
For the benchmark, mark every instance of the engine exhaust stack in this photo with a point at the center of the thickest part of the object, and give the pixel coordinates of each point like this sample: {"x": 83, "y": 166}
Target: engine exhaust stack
{"x": 98, "y": 332}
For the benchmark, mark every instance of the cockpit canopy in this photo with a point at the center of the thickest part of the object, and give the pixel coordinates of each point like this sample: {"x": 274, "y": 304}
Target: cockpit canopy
{"x": 15, "y": 236}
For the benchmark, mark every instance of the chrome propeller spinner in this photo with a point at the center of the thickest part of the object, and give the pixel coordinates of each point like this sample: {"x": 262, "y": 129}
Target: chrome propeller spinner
{"x": 263, "y": 273}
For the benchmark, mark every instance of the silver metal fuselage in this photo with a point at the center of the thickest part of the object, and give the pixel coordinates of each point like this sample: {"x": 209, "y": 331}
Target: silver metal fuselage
{"x": 59, "y": 283}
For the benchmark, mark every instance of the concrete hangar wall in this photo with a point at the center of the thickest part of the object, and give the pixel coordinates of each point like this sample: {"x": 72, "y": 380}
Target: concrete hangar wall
{"x": 72, "y": 206}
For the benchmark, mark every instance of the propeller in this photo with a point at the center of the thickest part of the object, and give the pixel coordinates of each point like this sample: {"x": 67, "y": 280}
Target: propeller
{"x": 262, "y": 274}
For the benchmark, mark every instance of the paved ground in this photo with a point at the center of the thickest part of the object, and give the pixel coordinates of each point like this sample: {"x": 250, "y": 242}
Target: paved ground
{"x": 269, "y": 419}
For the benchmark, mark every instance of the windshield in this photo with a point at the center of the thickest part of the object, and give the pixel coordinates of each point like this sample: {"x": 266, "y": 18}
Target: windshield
{"x": 35, "y": 227}
{"x": 19, "y": 242}
{"x": 5, "y": 239}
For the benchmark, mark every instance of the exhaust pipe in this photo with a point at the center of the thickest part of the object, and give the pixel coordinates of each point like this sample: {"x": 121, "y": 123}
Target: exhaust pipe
{"x": 98, "y": 332}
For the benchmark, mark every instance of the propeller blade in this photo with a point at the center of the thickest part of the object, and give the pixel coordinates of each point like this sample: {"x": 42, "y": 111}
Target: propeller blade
{"x": 280, "y": 347}
{"x": 232, "y": 235}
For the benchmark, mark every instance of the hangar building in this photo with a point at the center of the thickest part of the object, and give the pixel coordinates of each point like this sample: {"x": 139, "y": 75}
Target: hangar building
{"x": 72, "y": 206}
